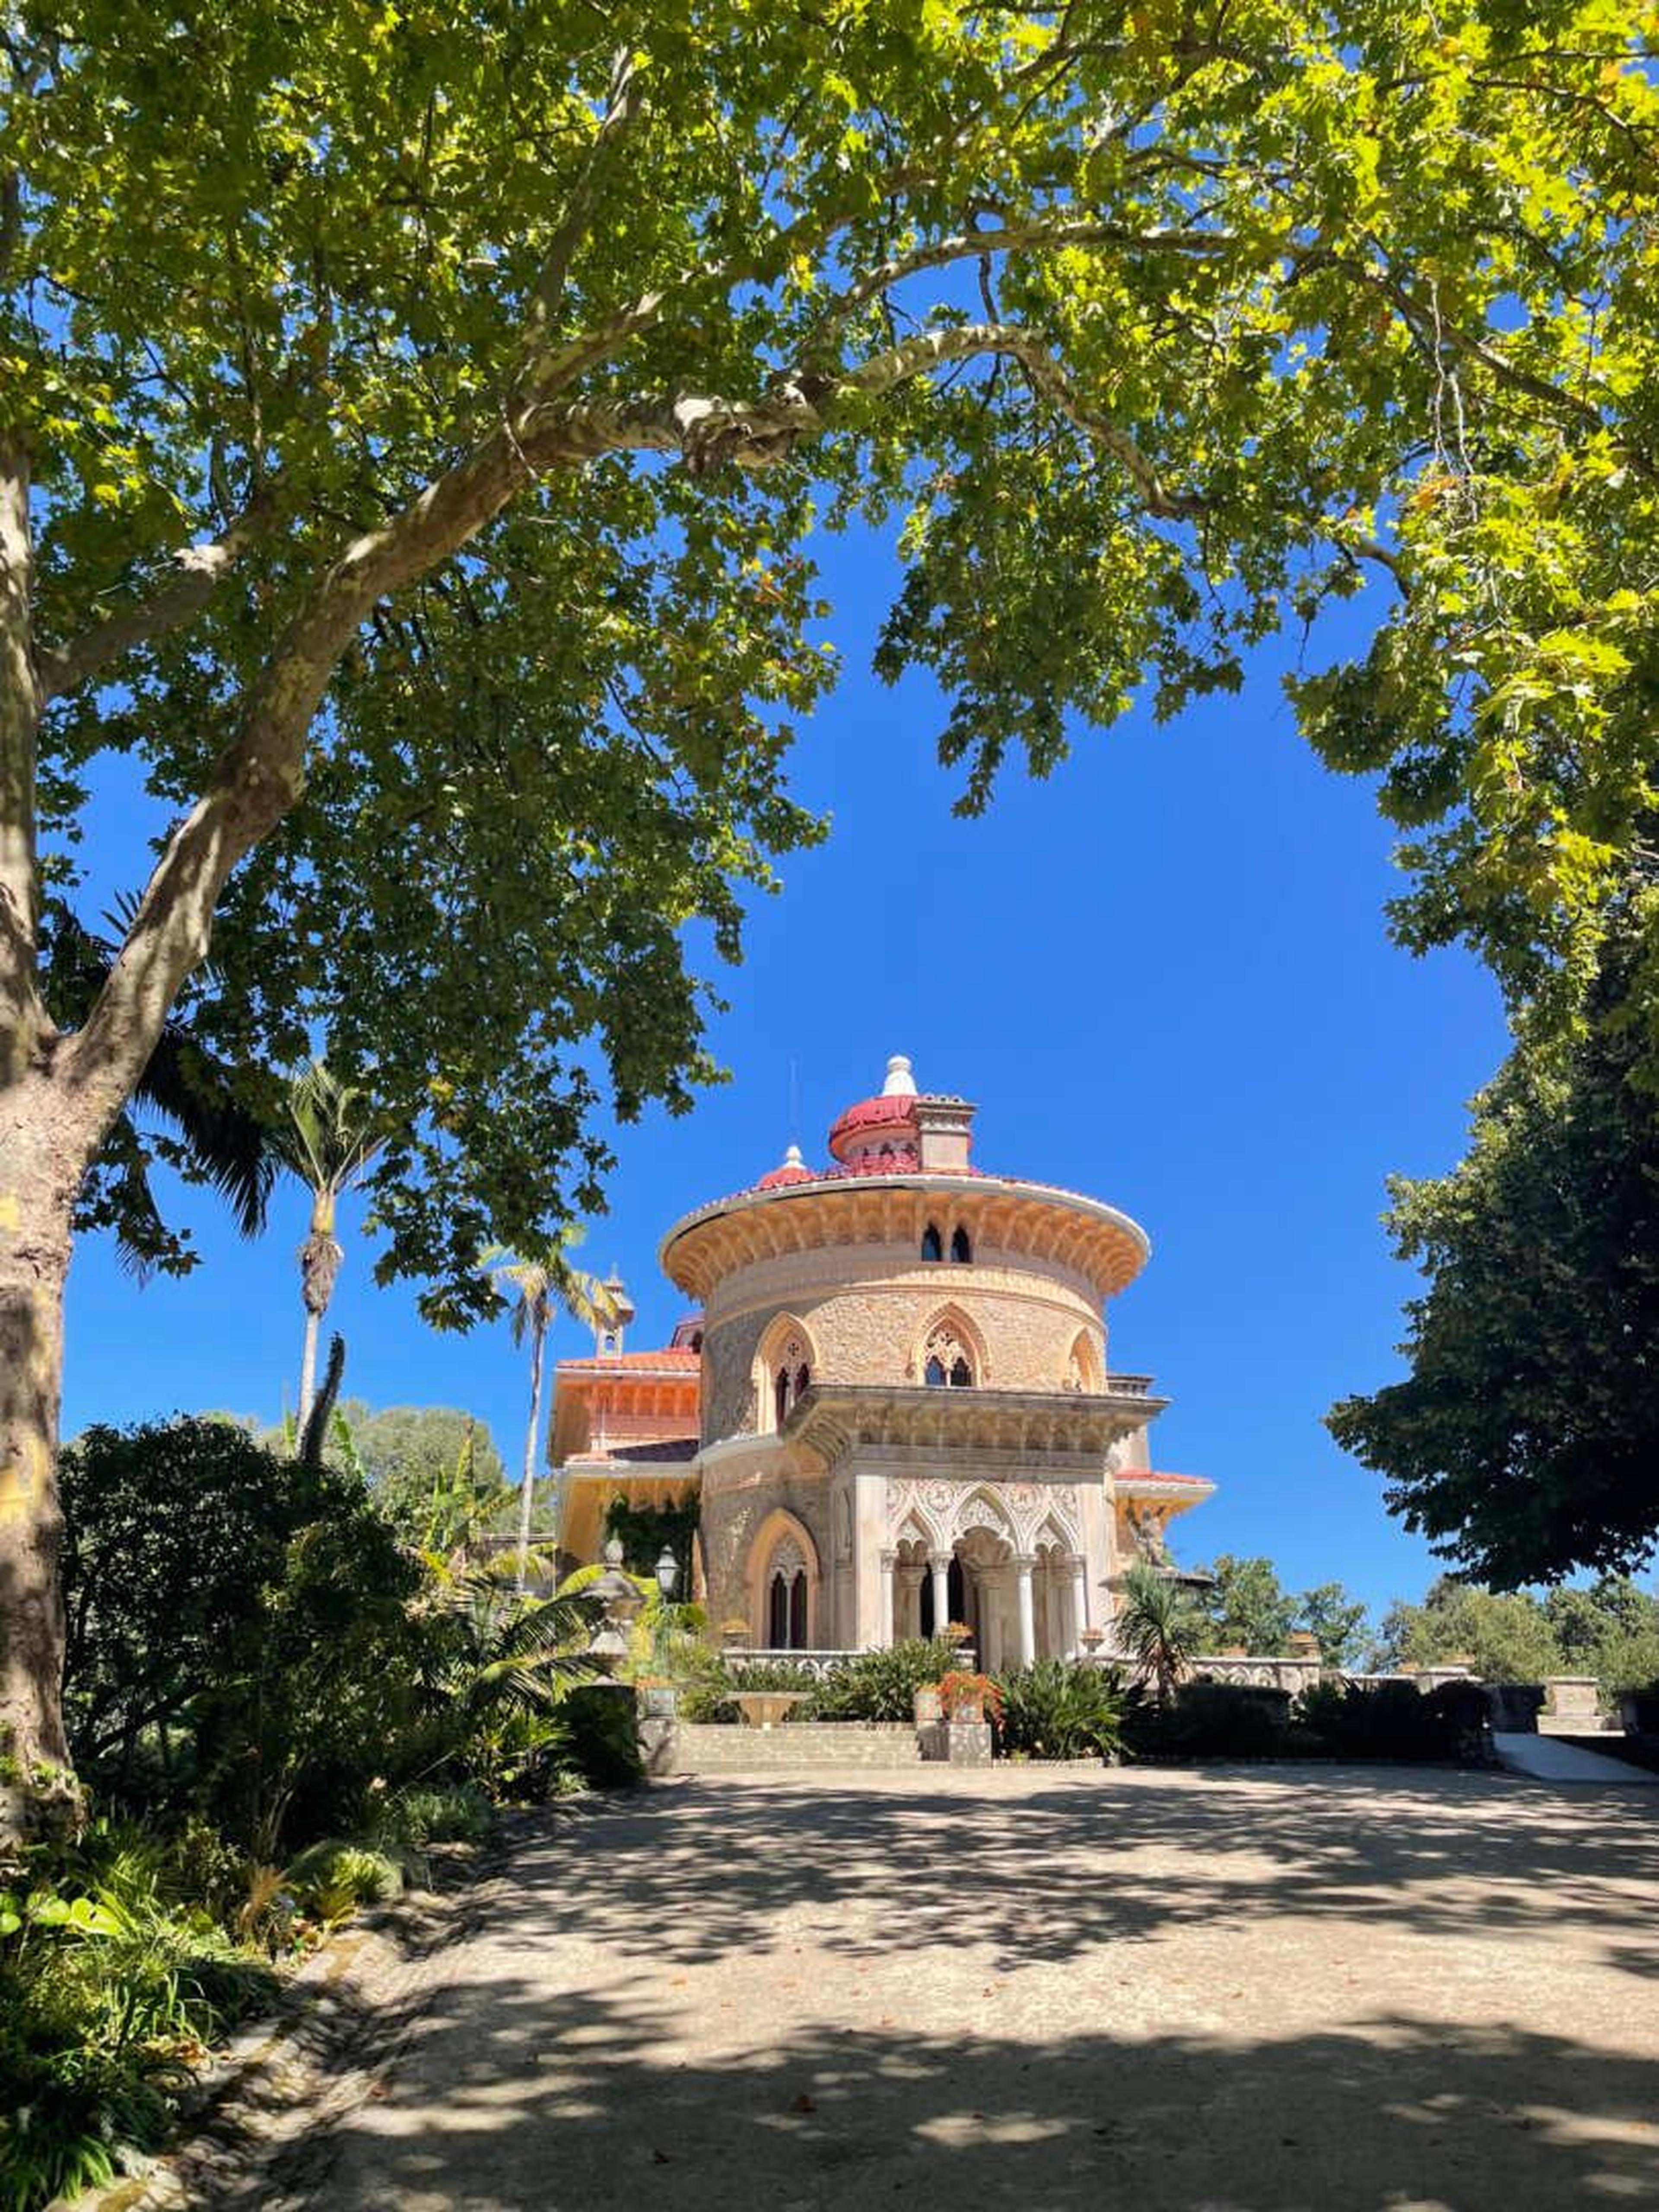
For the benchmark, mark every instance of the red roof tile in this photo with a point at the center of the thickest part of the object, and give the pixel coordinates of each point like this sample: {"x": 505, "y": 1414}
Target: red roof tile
{"x": 679, "y": 1357}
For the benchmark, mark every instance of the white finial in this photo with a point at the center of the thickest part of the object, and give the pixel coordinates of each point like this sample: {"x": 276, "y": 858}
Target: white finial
{"x": 900, "y": 1082}
{"x": 792, "y": 1158}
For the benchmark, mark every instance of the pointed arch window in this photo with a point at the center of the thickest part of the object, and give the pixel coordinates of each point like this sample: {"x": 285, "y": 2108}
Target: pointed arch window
{"x": 933, "y": 1244}
{"x": 785, "y": 1600}
{"x": 946, "y": 1365}
{"x": 787, "y": 1374}
{"x": 962, "y": 1247}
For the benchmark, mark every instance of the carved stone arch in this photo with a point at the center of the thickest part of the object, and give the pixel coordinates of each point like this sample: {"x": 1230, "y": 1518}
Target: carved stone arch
{"x": 1085, "y": 1370}
{"x": 983, "y": 1509}
{"x": 785, "y": 1354}
{"x": 782, "y": 1548}
{"x": 949, "y": 1330}
{"x": 1056, "y": 1532}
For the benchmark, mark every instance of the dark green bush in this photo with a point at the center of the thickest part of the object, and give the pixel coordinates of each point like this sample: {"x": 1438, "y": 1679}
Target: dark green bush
{"x": 1209, "y": 1720}
{"x": 882, "y": 1686}
{"x": 1394, "y": 1720}
{"x": 600, "y": 1738}
{"x": 1055, "y": 1709}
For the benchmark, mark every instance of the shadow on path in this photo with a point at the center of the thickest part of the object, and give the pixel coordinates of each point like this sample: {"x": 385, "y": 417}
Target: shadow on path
{"x": 1017, "y": 1992}
{"x": 1115, "y": 1863}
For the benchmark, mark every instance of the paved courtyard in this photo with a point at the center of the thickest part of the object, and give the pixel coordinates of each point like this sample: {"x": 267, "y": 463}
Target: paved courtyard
{"x": 1247, "y": 1991}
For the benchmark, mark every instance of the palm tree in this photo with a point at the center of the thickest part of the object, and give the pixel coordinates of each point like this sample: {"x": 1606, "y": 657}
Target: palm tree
{"x": 215, "y": 1138}
{"x": 326, "y": 1142}
{"x": 540, "y": 1284}
{"x": 1157, "y": 1629}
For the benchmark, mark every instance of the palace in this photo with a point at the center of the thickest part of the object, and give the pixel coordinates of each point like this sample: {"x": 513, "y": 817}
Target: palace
{"x": 893, "y": 1405}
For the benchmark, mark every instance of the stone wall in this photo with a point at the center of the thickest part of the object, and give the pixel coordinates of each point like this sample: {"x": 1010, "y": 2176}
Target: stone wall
{"x": 686, "y": 1748}
{"x": 734, "y": 1511}
{"x": 866, "y": 1308}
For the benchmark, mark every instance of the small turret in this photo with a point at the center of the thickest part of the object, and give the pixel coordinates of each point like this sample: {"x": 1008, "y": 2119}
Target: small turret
{"x": 617, "y": 1310}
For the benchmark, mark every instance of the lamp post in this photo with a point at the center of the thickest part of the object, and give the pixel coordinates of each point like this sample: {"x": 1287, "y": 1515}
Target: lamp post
{"x": 667, "y": 1575}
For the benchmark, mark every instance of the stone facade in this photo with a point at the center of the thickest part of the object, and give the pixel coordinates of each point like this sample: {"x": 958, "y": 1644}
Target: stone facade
{"x": 906, "y": 1412}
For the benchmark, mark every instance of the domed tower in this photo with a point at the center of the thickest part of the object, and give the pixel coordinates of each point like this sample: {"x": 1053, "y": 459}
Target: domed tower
{"x": 906, "y": 1413}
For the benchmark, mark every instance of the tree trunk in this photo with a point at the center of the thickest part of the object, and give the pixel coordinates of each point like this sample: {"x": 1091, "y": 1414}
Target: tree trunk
{"x": 41, "y": 1166}
{"x": 319, "y": 1258}
{"x": 307, "y": 1373}
{"x": 532, "y": 1437}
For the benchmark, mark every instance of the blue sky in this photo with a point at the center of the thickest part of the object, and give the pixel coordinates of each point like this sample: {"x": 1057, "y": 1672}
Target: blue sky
{"x": 1164, "y": 976}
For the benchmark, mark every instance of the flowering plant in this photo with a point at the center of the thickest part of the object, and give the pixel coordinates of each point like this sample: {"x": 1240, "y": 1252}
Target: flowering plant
{"x": 957, "y": 1632}
{"x": 968, "y": 1696}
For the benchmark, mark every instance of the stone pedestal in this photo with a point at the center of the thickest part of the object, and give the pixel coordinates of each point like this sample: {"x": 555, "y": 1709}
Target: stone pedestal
{"x": 1573, "y": 1697}
{"x": 955, "y": 1743}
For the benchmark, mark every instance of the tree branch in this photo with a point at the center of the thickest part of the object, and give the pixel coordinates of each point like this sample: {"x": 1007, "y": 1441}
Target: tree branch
{"x": 623, "y": 103}
{"x": 199, "y": 572}
{"x": 262, "y": 772}
{"x": 1045, "y": 235}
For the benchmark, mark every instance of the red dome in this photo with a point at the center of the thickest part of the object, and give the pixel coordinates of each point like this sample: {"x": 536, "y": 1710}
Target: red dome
{"x": 785, "y": 1175}
{"x": 870, "y": 1118}
{"x": 793, "y": 1168}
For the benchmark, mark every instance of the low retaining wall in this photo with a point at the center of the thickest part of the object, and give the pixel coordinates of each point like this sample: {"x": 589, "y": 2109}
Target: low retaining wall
{"x": 705, "y": 1747}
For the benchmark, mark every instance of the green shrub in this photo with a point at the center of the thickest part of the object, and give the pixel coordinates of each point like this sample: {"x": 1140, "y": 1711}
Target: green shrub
{"x": 1209, "y": 1720}
{"x": 1394, "y": 1720}
{"x": 706, "y": 1693}
{"x": 882, "y": 1686}
{"x": 410, "y": 1819}
{"x": 341, "y": 1870}
{"x": 109, "y": 1988}
{"x": 1056, "y": 1709}
{"x": 601, "y": 1740}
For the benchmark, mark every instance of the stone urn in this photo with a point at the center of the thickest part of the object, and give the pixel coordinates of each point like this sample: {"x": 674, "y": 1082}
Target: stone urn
{"x": 734, "y": 1635}
{"x": 929, "y": 1706}
{"x": 657, "y": 1701}
{"x": 1304, "y": 1644}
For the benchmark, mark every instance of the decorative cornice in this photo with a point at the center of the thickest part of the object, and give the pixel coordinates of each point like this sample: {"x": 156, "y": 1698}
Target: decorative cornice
{"x": 1063, "y": 1227}
{"x": 835, "y": 1418}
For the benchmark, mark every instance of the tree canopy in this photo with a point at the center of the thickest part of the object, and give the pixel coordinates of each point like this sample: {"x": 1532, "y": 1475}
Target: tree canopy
{"x": 1245, "y": 1604}
{"x": 1524, "y": 1442}
{"x": 1610, "y": 1630}
{"x": 423, "y": 422}
{"x": 414, "y": 429}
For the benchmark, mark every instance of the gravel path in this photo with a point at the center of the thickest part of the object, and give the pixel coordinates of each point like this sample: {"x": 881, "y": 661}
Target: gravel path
{"x": 1246, "y": 1991}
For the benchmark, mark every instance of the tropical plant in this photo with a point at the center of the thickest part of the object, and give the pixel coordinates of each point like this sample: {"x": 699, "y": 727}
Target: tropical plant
{"x": 536, "y": 1286}
{"x": 1156, "y": 1628}
{"x": 882, "y": 1686}
{"x": 212, "y": 1135}
{"x": 1058, "y": 1708}
{"x": 326, "y": 1139}
{"x": 490, "y": 1647}
{"x": 110, "y": 1988}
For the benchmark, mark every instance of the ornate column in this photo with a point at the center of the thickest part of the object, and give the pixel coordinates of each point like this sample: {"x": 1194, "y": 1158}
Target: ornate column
{"x": 888, "y": 1637}
{"x": 1024, "y": 1563}
{"x": 940, "y": 1564}
{"x": 1079, "y": 1601}
{"x": 908, "y": 1577}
